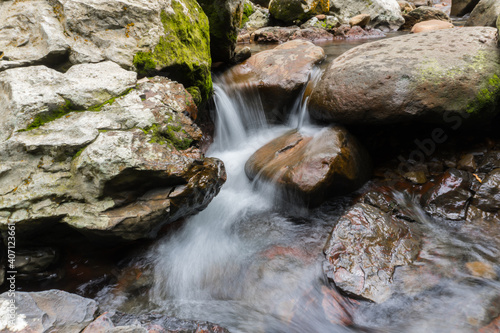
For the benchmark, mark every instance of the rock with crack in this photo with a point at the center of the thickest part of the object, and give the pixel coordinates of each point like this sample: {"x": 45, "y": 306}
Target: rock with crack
{"x": 365, "y": 248}
{"x": 121, "y": 168}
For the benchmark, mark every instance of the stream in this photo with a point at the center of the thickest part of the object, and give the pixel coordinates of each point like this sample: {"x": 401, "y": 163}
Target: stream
{"x": 252, "y": 262}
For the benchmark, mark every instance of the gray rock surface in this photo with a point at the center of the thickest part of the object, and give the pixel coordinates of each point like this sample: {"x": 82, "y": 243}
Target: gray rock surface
{"x": 462, "y": 7}
{"x": 420, "y": 77}
{"x": 46, "y": 311}
{"x": 485, "y": 14}
{"x": 121, "y": 170}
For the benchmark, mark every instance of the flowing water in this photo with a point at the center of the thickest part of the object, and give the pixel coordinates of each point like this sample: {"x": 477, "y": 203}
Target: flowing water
{"x": 253, "y": 263}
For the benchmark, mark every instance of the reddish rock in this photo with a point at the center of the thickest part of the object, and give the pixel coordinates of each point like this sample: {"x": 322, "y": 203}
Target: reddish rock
{"x": 313, "y": 168}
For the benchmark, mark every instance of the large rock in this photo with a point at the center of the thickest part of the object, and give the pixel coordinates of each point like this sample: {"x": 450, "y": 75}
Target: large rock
{"x": 431, "y": 25}
{"x": 123, "y": 168}
{"x": 45, "y": 311}
{"x": 225, "y": 18}
{"x": 293, "y": 10}
{"x": 312, "y": 168}
{"x": 171, "y": 37}
{"x": 419, "y": 77}
{"x": 23, "y": 24}
{"x": 365, "y": 248}
{"x": 462, "y": 7}
{"x": 385, "y": 14}
{"x": 280, "y": 73}
{"x": 484, "y": 14}
{"x": 422, "y": 14}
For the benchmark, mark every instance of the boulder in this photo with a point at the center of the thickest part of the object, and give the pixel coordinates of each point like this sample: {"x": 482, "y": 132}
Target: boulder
{"x": 462, "y": 7}
{"x": 328, "y": 23}
{"x": 385, "y": 14}
{"x": 46, "y": 311}
{"x": 419, "y": 77}
{"x": 225, "y": 19}
{"x": 290, "y": 11}
{"x": 484, "y": 14}
{"x": 273, "y": 35}
{"x": 118, "y": 168}
{"x": 23, "y": 23}
{"x": 147, "y": 36}
{"x": 279, "y": 74}
{"x": 406, "y": 6}
{"x": 259, "y": 19}
{"x": 348, "y": 32}
{"x": 422, "y": 14}
{"x": 364, "y": 249}
{"x": 431, "y": 25}
{"x": 312, "y": 168}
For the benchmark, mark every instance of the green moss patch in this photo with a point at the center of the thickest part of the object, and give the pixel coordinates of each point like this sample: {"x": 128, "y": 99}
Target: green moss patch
{"x": 183, "y": 54}
{"x": 487, "y": 97}
{"x": 47, "y": 117}
{"x": 173, "y": 136}
{"x": 248, "y": 10}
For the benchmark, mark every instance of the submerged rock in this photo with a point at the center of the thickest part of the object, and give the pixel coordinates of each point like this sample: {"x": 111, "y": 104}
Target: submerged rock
{"x": 46, "y": 311}
{"x": 122, "y": 168}
{"x": 312, "y": 168}
{"x": 484, "y": 14}
{"x": 419, "y": 77}
{"x": 365, "y": 248}
{"x": 280, "y": 73}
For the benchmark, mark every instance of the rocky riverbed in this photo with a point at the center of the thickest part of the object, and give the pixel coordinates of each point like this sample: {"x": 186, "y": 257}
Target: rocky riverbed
{"x": 249, "y": 166}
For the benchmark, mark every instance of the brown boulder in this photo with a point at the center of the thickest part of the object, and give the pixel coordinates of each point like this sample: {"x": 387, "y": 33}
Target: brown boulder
{"x": 361, "y": 20}
{"x": 279, "y": 74}
{"x": 313, "y": 168}
{"x": 422, "y": 14}
{"x": 431, "y": 25}
{"x": 462, "y": 7}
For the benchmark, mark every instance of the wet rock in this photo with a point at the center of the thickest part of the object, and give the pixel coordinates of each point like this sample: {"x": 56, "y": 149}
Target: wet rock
{"x": 481, "y": 269}
{"x": 242, "y": 55}
{"x": 365, "y": 248}
{"x": 462, "y": 7}
{"x": 225, "y": 19}
{"x": 47, "y": 311}
{"x": 312, "y": 34}
{"x": 422, "y": 14}
{"x": 416, "y": 177}
{"x": 450, "y": 196}
{"x": 476, "y": 215}
{"x": 467, "y": 163}
{"x": 23, "y": 24}
{"x": 487, "y": 197}
{"x": 431, "y": 25}
{"x": 491, "y": 161}
{"x": 485, "y": 14}
{"x": 408, "y": 78}
{"x": 280, "y": 73}
{"x": 160, "y": 323}
{"x": 493, "y": 327}
{"x": 292, "y": 10}
{"x": 122, "y": 170}
{"x": 361, "y": 20}
{"x": 274, "y": 34}
{"x": 385, "y": 14}
{"x": 314, "y": 168}
{"x": 346, "y": 31}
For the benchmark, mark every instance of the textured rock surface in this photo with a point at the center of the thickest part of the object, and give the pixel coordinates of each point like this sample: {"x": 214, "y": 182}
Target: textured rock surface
{"x": 313, "y": 168}
{"x": 292, "y": 10}
{"x": 487, "y": 196}
{"x": 385, "y": 14}
{"x": 47, "y": 311}
{"x": 123, "y": 171}
{"x": 423, "y": 77}
{"x": 225, "y": 18}
{"x": 365, "y": 248}
{"x": 422, "y": 14}
{"x": 167, "y": 36}
{"x": 280, "y": 73}
{"x": 484, "y": 14}
{"x": 462, "y": 7}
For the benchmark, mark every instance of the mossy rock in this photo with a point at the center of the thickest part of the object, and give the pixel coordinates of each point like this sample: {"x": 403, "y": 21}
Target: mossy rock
{"x": 290, "y": 11}
{"x": 225, "y": 18}
{"x": 183, "y": 53}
